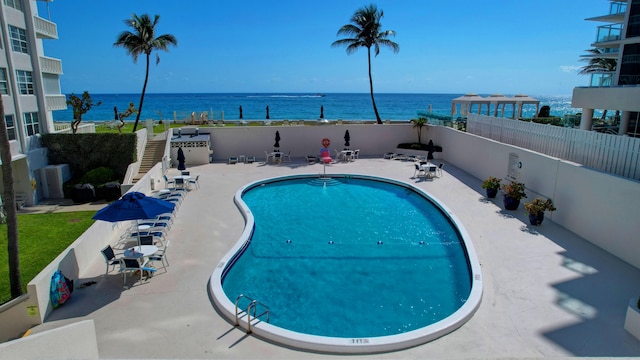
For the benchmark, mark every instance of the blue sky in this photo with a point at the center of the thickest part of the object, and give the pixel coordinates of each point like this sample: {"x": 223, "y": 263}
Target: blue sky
{"x": 490, "y": 46}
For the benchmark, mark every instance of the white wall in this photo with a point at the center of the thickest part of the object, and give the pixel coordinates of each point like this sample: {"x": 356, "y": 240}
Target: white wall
{"x": 372, "y": 140}
{"x": 599, "y": 207}
{"x": 73, "y": 341}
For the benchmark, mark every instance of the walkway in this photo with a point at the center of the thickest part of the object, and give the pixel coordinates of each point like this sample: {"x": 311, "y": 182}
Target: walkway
{"x": 547, "y": 293}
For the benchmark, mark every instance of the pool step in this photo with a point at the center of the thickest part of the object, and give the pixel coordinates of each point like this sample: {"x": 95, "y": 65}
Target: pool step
{"x": 324, "y": 182}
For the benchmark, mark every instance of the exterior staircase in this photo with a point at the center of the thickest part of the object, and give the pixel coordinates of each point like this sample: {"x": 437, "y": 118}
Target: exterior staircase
{"x": 153, "y": 152}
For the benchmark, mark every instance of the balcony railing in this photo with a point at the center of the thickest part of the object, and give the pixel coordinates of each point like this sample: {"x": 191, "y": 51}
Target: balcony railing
{"x": 50, "y": 65}
{"x": 602, "y": 79}
{"x": 45, "y": 29}
{"x": 618, "y": 7}
{"x": 608, "y": 33}
{"x": 55, "y": 102}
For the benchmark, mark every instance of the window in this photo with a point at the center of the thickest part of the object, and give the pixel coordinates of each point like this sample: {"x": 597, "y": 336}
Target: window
{"x": 11, "y": 127}
{"x": 16, "y": 4}
{"x": 18, "y": 39}
{"x": 31, "y": 123}
{"x": 25, "y": 82}
{"x": 4, "y": 85}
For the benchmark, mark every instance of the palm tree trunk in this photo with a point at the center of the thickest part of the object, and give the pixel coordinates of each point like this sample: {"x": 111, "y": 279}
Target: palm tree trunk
{"x": 144, "y": 89}
{"x": 10, "y": 208}
{"x": 375, "y": 108}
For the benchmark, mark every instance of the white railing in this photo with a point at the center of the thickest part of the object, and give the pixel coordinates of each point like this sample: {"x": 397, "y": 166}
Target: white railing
{"x": 50, "y": 65}
{"x": 45, "y": 28}
{"x": 614, "y": 154}
{"x": 65, "y": 128}
{"x": 55, "y": 102}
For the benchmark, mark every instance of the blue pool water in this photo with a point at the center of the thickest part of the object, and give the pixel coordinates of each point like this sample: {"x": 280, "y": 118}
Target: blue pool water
{"x": 354, "y": 258}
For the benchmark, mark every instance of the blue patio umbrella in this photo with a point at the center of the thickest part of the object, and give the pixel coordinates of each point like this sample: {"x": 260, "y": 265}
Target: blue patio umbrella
{"x": 134, "y": 206}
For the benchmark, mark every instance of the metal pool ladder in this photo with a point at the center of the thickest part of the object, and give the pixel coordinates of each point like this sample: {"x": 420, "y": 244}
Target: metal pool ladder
{"x": 250, "y": 311}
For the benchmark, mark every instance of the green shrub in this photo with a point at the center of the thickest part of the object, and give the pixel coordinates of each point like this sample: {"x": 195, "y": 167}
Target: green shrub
{"x": 98, "y": 176}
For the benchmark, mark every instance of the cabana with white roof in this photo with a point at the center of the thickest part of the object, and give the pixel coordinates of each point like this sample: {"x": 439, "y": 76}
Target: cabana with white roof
{"x": 466, "y": 103}
{"x": 522, "y": 99}
{"x": 497, "y": 102}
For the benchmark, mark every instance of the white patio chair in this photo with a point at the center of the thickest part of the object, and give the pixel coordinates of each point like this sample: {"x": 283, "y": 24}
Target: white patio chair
{"x": 286, "y": 157}
{"x": 168, "y": 182}
{"x": 161, "y": 256}
{"x": 110, "y": 258}
{"x": 194, "y": 182}
{"x": 131, "y": 265}
{"x": 419, "y": 171}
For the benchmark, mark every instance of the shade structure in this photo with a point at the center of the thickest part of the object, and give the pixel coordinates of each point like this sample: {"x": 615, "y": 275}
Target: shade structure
{"x": 347, "y": 138}
{"x": 277, "y": 144}
{"x": 134, "y": 206}
{"x": 181, "y": 159}
{"x": 522, "y": 99}
{"x": 499, "y": 103}
{"x": 466, "y": 103}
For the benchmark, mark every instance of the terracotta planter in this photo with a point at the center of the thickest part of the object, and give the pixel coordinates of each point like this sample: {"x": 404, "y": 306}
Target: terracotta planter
{"x": 510, "y": 203}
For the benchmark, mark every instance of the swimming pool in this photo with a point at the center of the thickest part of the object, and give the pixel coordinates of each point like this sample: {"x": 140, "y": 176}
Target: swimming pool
{"x": 351, "y": 264}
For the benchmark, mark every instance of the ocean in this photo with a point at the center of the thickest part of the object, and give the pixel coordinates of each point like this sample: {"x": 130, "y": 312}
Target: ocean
{"x": 397, "y": 107}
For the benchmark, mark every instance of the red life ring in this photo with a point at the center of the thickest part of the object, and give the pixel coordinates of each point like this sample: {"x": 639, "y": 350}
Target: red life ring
{"x": 326, "y": 142}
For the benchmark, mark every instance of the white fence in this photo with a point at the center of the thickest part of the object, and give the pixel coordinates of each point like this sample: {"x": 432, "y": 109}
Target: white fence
{"x": 613, "y": 154}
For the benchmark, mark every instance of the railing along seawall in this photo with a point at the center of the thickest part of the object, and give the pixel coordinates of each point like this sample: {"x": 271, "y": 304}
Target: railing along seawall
{"x": 613, "y": 154}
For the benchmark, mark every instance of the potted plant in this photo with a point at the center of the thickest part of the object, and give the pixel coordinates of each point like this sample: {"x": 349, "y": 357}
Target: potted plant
{"x": 491, "y": 185}
{"x": 513, "y": 192}
{"x": 536, "y": 209}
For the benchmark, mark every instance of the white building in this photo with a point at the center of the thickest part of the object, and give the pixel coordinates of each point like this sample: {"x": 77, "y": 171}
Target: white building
{"x": 30, "y": 88}
{"x": 619, "y": 91}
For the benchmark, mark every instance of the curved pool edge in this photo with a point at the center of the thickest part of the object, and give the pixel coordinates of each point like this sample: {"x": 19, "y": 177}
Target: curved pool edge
{"x": 347, "y": 345}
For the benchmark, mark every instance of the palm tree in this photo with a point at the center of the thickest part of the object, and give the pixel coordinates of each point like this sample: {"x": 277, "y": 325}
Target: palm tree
{"x": 10, "y": 208}
{"x": 143, "y": 41}
{"x": 418, "y": 124}
{"x": 364, "y": 31}
{"x": 598, "y": 64}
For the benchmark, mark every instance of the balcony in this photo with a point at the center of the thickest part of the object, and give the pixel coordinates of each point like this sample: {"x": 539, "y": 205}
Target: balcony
{"x": 616, "y": 97}
{"x": 45, "y": 29}
{"x": 602, "y": 79}
{"x": 608, "y": 33}
{"x": 55, "y": 102}
{"x": 50, "y": 65}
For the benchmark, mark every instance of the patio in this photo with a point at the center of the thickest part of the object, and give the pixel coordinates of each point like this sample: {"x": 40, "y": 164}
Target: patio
{"x": 547, "y": 292}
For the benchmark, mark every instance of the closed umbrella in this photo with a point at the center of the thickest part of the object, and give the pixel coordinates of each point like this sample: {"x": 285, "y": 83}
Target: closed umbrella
{"x": 181, "y": 159}
{"x": 267, "y": 111}
{"x": 321, "y": 111}
{"x": 347, "y": 138}
{"x": 240, "y": 108}
{"x": 277, "y": 144}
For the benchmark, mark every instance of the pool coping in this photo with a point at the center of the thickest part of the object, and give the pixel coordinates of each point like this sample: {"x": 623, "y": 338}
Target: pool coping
{"x": 347, "y": 345}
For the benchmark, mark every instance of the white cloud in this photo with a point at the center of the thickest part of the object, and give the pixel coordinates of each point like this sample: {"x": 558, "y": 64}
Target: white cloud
{"x": 570, "y": 68}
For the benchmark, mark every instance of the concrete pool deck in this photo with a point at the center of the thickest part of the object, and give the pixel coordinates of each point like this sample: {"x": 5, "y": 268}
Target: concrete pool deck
{"x": 547, "y": 292}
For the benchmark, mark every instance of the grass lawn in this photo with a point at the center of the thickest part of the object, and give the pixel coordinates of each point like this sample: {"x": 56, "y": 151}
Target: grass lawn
{"x": 41, "y": 237}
